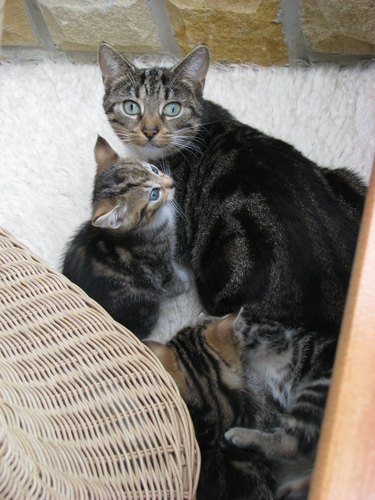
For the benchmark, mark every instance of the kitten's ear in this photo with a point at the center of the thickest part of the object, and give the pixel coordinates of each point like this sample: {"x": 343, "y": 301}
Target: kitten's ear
{"x": 104, "y": 154}
{"x": 167, "y": 357}
{"x": 161, "y": 351}
{"x": 107, "y": 215}
{"x": 225, "y": 327}
{"x": 112, "y": 64}
{"x": 221, "y": 338}
{"x": 194, "y": 66}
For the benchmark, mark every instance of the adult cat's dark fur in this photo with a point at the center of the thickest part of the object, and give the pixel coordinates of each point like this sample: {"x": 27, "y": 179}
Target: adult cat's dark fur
{"x": 261, "y": 385}
{"x": 265, "y": 225}
{"x": 123, "y": 258}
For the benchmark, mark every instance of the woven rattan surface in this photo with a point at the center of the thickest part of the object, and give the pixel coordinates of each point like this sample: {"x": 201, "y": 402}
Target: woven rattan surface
{"x": 86, "y": 411}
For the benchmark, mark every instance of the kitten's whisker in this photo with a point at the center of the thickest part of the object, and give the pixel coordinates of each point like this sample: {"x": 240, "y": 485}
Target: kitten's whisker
{"x": 166, "y": 167}
{"x": 179, "y": 210}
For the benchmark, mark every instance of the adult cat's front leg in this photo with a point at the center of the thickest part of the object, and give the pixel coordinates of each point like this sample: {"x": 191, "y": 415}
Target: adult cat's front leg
{"x": 274, "y": 445}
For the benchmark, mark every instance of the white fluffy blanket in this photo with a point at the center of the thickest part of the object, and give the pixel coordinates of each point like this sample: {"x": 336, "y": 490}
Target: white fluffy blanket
{"x": 50, "y": 115}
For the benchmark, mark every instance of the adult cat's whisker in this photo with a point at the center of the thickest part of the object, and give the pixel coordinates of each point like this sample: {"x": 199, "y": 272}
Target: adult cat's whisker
{"x": 188, "y": 138}
{"x": 182, "y": 150}
{"x": 198, "y": 142}
{"x": 190, "y": 147}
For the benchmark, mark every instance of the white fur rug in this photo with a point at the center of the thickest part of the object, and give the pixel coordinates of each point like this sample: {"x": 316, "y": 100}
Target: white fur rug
{"x": 50, "y": 115}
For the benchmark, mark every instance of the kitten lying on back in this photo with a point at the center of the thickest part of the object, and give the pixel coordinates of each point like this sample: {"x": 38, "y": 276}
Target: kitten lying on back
{"x": 271, "y": 378}
{"x": 294, "y": 367}
{"x": 123, "y": 258}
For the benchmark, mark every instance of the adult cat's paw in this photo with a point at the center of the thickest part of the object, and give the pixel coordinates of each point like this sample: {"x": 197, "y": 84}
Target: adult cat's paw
{"x": 242, "y": 437}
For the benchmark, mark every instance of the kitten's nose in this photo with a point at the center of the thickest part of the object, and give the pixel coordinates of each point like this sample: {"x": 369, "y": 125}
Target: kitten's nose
{"x": 150, "y": 132}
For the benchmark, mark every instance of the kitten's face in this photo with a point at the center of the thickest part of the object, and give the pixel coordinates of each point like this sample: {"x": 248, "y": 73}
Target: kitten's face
{"x": 155, "y": 111}
{"x": 129, "y": 194}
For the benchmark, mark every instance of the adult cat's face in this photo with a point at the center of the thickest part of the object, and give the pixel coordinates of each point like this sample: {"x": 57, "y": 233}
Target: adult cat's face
{"x": 155, "y": 111}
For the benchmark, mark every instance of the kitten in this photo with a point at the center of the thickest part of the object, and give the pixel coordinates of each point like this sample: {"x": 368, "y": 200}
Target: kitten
{"x": 294, "y": 367}
{"x": 264, "y": 225}
{"x": 272, "y": 378}
{"x": 123, "y": 257}
{"x": 205, "y": 362}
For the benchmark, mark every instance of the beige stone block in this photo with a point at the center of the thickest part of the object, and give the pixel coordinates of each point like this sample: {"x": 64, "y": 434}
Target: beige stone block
{"x": 339, "y": 27}
{"x": 83, "y": 24}
{"x": 240, "y": 31}
{"x": 16, "y": 25}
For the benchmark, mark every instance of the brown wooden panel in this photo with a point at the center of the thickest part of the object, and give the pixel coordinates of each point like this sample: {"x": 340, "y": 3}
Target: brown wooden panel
{"x": 345, "y": 466}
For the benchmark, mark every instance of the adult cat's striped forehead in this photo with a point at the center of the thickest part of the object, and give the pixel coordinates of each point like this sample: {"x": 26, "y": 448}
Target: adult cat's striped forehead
{"x": 155, "y": 111}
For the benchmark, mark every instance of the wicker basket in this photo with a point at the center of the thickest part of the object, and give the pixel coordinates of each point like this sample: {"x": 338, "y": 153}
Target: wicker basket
{"x": 86, "y": 411}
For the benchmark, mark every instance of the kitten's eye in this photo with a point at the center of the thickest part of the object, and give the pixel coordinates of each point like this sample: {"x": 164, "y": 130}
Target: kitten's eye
{"x": 155, "y": 193}
{"x": 172, "y": 109}
{"x": 154, "y": 169}
{"x": 131, "y": 108}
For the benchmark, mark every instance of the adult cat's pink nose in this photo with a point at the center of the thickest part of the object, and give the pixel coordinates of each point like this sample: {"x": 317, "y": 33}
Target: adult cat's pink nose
{"x": 150, "y": 132}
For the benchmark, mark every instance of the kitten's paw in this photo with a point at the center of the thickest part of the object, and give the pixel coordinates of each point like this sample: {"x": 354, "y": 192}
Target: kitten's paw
{"x": 254, "y": 331}
{"x": 241, "y": 437}
{"x": 296, "y": 489}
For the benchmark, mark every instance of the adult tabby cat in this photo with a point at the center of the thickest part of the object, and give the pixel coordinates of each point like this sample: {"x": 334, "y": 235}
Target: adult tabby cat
{"x": 265, "y": 225}
{"x": 261, "y": 385}
{"x": 123, "y": 257}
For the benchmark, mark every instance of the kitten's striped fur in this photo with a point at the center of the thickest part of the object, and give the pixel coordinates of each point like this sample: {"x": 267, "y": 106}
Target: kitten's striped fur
{"x": 294, "y": 367}
{"x": 205, "y": 362}
{"x": 274, "y": 379}
{"x": 123, "y": 257}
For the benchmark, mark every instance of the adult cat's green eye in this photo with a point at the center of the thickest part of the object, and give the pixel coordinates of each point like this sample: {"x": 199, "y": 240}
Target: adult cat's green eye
{"x": 172, "y": 109}
{"x": 154, "y": 194}
{"x": 131, "y": 108}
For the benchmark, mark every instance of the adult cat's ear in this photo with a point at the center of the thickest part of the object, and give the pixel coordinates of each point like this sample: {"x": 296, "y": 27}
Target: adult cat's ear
{"x": 104, "y": 154}
{"x": 108, "y": 216}
{"x": 194, "y": 67}
{"x": 112, "y": 64}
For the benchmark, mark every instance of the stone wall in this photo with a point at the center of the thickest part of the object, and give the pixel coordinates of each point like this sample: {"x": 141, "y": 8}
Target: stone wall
{"x": 266, "y": 32}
